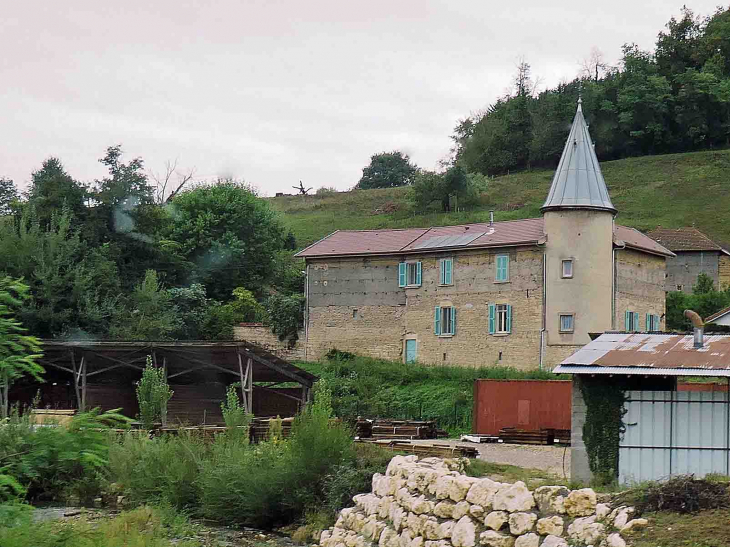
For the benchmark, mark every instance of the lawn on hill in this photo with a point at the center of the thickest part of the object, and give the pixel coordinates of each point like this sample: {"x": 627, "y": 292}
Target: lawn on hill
{"x": 672, "y": 190}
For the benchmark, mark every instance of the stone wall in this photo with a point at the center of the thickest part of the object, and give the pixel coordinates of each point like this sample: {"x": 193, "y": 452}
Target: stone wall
{"x": 261, "y": 335}
{"x": 428, "y": 503}
{"x": 640, "y": 287}
{"x": 683, "y": 269}
{"x": 723, "y": 272}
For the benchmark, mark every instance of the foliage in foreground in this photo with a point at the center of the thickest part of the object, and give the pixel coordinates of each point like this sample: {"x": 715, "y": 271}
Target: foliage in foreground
{"x": 682, "y": 494}
{"x": 141, "y": 527}
{"x": 364, "y": 386}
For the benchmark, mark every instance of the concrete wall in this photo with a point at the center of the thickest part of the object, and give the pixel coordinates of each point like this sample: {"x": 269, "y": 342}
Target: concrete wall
{"x": 579, "y": 468}
{"x": 640, "y": 287}
{"x": 586, "y": 237}
{"x": 723, "y": 271}
{"x": 356, "y": 305}
{"x": 684, "y": 269}
{"x": 258, "y": 334}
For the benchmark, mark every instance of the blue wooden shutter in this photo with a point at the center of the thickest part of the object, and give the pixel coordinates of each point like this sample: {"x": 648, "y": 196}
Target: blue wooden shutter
{"x": 402, "y": 274}
{"x": 448, "y": 268}
{"x": 418, "y": 273}
{"x": 509, "y": 318}
{"x": 636, "y": 321}
{"x": 491, "y": 318}
{"x": 442, "y": 276}
{"x": 627, "y": 321}
{"x": 648, "y": 319}
{"x": 657, "y": 323}
{"x": 437, "y": 321}
{"x": 506, "y": 268}
{"x": 453, "y": 320}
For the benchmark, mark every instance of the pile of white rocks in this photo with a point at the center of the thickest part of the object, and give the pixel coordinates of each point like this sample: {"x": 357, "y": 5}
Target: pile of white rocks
{"x": 428, "y": 503}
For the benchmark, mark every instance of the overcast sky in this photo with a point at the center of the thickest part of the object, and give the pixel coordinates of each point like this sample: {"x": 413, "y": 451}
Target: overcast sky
{"x": 280, "y": 91}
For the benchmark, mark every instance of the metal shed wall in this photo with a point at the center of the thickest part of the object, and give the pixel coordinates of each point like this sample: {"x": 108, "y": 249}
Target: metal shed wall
{"x": 524, "y": 404}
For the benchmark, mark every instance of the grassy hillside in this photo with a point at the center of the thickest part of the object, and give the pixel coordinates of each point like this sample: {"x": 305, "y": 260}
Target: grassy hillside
{"x": 673, "y": 190}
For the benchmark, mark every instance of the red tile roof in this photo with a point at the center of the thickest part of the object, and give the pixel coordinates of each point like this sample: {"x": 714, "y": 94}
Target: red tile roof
{"x": 685, "y": 239}
{"x": 416, "y": 240}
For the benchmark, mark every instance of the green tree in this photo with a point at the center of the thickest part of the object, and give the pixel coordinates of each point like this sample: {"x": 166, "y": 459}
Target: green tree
{"x": 221, "y": 318}
{"x": 18, "y": 351}
{"x": 387, "y": 170}
{"x": 8, "y": 196}
{"x": 286, "y": 315}
{"x": 704, "y": 284}
{"x": 153, "y": 393}
{"x": 51, "y": 189}
{"x": 149, "y": 314}
{"x": 452, "y": 186}
{"x": 228, "y": 234}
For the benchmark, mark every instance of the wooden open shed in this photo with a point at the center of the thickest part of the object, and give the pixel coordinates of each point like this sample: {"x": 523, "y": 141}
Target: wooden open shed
{"x": 87, "y": 374}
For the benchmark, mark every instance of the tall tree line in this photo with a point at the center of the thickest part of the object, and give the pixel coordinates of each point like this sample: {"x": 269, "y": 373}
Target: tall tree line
{"x": 675, "y": 99}
{"x": 114, "y": 259}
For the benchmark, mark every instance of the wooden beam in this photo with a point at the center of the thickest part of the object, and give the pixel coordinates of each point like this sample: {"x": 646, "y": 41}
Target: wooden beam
{"x": 84, "y": 366}
{"x": 204, "y": 364}
{"x": 249, "y": 384}
{"x": 76, "y": 382}
{"x": 277, "y": 368}
{"x": 54, "y": 365}
{"x": 115, "y": 360}
{"x": 292, "y": 397}
{"x": 243, "y": 379}
{"x": 171, "y": 376}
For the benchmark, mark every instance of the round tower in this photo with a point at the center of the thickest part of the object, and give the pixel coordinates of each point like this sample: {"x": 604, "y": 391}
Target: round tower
{"x": 578, "y": 216}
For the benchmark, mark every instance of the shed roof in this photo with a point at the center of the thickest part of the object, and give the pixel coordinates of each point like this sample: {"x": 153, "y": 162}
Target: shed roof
{"x": 528, "y": 231}
{"x": 685, "y": 239}
{"x": 644, "y": 353}
{"x": 578, "y": 182}
{"x": 717, "y": 315}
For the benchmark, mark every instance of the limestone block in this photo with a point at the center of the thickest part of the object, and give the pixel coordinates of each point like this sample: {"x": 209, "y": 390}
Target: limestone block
{"x": 386, "y": 486}
{"x": 528, "y": 540}
{"x": 513, "y": 497}
{"x": 633, "y": 525}
{"x": 490, "y": 538}
{"x": 421, "y": 505}
{"x": 554, "y": 541}
{"x": 551, "y": 499}
{"x": 376, "y": 479}
{"x": 622, "y": 517}
{"x": 372, "y": 529}
{"x": 586, "y": 530}
{"x": 602, "y": 511}
{"x": 389, "y": 538}
{"x": 385, "y": 509}
{"x": 369, "y": 503}
{"x": 324, "y": 536}
{"x": 550, "y": 526}
{"x": 446, "y": 528}
{"x": 461, "y": 509}
{"x": 476, "y": 511}
{"x": 454, "y": 487}
{"x": 398, "y": 464}
{"x": 405, "y": 538}
{"x": 444, "y": 509}
{"x": 482, "y": 492}
{"x": 581, "y": 503}
{"x": 440, "y": 543}
{"x": 356, "y": 522}
{"x": 398, "y": 516}
{"x": 415, "y": 523}
{"x": 416, "y": 542}
{"x": 434, "y": 530}
{"x": 464, "y": 533}
{"x": 615, "y": 540}
{"x": 521, "y": 523}
{"x": 496, "y": 519}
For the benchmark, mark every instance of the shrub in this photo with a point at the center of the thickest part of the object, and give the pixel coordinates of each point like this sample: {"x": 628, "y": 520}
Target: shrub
{"x": 683, "y": 494}
{"x": 153, "y": 393}
{"x": 286, "y": 315}
{"x": 161, "y": 470}
{"x": 234, "y": 415}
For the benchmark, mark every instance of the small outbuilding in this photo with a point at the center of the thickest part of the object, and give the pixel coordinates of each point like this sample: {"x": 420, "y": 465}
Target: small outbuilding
{"x": 666, "y": 432}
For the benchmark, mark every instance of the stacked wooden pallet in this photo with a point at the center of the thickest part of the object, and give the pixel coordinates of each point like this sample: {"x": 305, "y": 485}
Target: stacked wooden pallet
{"x": 428, "y": 449}
{"x": 562, "y": 436}
{"x": 523, "y": 436}
{"x": 396, "y": 429}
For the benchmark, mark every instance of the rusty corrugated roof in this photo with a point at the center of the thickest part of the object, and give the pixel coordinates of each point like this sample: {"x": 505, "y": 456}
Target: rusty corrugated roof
{"x": 416, "y": 240}
{"x": 631, "y": 351}
{"x": 685, "y": 239}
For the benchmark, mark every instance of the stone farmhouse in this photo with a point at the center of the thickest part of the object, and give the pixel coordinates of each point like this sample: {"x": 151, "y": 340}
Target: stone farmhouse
{"x": 523, "y": 293}
{"x": 695, "y": 254}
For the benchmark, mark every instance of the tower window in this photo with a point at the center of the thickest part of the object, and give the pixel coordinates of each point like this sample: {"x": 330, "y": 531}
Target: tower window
{"x": 567, "y": 268}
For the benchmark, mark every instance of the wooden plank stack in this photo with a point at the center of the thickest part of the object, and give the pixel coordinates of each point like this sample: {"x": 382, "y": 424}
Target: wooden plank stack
{"x": 260, "y": 428}
{"x": 395, "y": 430}
{"x": 523, "y": 436}
{"x": 562, "y": 436}
{"x": 428, "y": 449}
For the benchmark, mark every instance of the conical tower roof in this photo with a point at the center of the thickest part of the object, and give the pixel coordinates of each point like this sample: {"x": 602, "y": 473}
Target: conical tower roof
{"x": 578, "y": 182}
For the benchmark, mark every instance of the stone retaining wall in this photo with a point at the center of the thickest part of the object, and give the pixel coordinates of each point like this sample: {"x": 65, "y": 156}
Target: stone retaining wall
{"x": 428, "y": 503}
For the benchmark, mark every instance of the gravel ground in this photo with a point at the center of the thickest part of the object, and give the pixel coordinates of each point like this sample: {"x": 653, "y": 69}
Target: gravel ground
{"x": 546, "y": 458}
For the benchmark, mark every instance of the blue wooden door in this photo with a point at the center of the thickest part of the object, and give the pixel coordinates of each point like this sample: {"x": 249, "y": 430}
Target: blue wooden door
{"x": 410, "y": 351}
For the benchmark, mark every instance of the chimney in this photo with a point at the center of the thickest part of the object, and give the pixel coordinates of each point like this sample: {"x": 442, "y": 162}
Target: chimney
{"x": 698, "y": 327}
{"x": 491, "y": 218}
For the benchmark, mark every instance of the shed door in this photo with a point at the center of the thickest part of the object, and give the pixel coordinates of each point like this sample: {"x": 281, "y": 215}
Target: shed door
{"x": 410, "y": 351}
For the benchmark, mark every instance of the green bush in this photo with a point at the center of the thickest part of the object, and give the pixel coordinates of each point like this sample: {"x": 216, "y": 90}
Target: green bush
{"x": 159, "y": 470}
{"x": 153, "y": 393}
{"x": 49, "y": 462}
{"x": 234, "y": 415}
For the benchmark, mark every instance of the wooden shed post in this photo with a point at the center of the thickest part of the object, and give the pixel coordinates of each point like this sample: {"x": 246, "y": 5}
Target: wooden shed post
{"x": 84, "y": 366}
{"x": 76, "y": 380}
{"x": 249, "y": 387}
{"x": 163, "y": 412}
{"x": 246, "y": 382}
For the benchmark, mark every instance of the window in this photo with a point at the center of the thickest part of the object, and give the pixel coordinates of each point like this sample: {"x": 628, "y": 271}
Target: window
{"x": 500, "y": 318}
{"x": 447, "y": 267}
{"x": 653, "y": 323}
{"x": 409, "y": 274}
{"x": 568, "y": 268}
{"x": 502, "y": 268}
{"x": 631, "y": 322}
{"x": 679, "y": 287}
{"x": 444, "y": 322}
{"x": 411, "y": 351}
{"x": 566, "y": 322}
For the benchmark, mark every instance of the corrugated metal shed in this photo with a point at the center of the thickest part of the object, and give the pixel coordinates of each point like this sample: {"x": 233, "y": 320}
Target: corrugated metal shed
{"x": 651, "y": 354}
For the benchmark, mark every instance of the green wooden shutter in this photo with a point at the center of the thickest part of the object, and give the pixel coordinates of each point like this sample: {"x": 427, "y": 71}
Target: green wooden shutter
{"x": 437, "y": 321}
{"x": 446, "y": 268}
{"x": 657, "y": 323}
{"x": 509, "y": 318}
{"x": 636, "y": 321}
{"x": 442, "y": 277}
{"x": 627, "y": 321}
{"x": 491, "y": 318}
{"x": 648, "y": 322}
{"x": 453, "y": 320}
{"x": 402, "y": 274}
{"x": 418, "y": 273}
